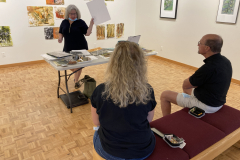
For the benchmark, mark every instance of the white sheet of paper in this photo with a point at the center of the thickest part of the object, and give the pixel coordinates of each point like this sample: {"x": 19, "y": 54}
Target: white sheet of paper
{"x": 98, "y": 11}
{"x": 134, "y": 38}
{"x": 84, "y": 51}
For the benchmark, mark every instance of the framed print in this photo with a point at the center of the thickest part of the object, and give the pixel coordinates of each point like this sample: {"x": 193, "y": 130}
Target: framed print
{"x": 168, "y": 9}
{"x": 228, "y": 11}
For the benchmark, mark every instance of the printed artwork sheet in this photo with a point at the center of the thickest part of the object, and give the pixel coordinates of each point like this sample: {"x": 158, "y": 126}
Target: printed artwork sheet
{"x": 120, "y": 30}
{"x": 51, "y": 32}
{"x": 55, "y": 2}
{"x": 101, "y": 32}
{"x": 40, "y": 16}
{"x": 60, "y": 12}
{"x": 110, "y": 30}
{"x": 5, "y": 36}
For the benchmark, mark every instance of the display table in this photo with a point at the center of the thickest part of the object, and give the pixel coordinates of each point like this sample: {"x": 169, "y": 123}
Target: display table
{"x": 71, "y": 99}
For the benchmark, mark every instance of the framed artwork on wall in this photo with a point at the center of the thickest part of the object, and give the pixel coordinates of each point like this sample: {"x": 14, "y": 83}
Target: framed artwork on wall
{"x": 228, "y": 11}
{"x": 168, "y": 9}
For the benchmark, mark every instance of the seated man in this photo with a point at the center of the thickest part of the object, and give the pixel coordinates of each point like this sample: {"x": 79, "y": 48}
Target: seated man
{"x": 208, "y": 86}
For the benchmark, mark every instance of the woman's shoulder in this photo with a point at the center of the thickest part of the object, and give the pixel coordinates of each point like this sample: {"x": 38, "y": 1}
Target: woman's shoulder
{"x": 82, "y": 22}
{"x": 64, "y": 21}
{"x": 100, "y": 87}
{"x": 98, "y": 90}
{"x": 149, "y": 85}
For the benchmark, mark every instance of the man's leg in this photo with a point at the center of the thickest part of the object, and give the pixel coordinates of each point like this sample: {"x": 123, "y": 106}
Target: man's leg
{"x": 168, "y": 97}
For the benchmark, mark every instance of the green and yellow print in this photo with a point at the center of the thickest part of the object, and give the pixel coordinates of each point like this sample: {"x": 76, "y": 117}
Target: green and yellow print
{"x": 5, "y": 36}
{"x": 168, "y": 5}
{"x": 228, "y": 6}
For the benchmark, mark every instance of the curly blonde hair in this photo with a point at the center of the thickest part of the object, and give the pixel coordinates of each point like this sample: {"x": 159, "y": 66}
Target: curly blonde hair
{"x": 126, "y": 76}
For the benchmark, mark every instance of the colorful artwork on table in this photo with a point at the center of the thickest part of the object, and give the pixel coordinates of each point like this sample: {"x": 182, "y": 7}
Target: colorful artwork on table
{"x": 228, "y": 6}
{"x": 110, "y": 30}
{"x": 40, "y": 16}
{"x": 48, "y": 32}
{"x": 60, "y": 12}
{"x": 55, "y": 2}
{"x": 55, "y": 32}
{"x": 120, "y": 30}
{"x": 168, "y": 5}
{"x": 5, "y": 36}
{"x": 100, "y": 32}
{"x": 2, "y": 0}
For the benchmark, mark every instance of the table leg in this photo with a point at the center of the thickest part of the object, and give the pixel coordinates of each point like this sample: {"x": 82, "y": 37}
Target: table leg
{"x": 70, "y": 103}
{"x": 59, "y": 80}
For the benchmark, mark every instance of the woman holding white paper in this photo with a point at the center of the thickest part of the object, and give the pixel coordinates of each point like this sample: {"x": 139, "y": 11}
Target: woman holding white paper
{"x": 73, "y": 29}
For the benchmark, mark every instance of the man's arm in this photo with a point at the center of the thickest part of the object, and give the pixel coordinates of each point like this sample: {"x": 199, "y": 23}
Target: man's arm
{"x": 187, "y": 86}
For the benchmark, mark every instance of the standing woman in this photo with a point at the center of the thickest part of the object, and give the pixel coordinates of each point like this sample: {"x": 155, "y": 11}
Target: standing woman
{"x": 73, "y": 29}
{"x": 123, "y": 106}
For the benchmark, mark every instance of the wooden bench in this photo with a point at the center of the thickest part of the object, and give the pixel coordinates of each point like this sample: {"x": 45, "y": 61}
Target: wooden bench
{"x": 205, "y": 138}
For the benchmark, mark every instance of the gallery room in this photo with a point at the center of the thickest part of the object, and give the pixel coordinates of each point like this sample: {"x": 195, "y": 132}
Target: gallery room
{"x": 119, "y": 79}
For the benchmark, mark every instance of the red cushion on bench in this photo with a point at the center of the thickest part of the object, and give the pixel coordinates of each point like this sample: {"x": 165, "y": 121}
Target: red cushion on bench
{"x": 227, "y": 119}
{"x": 198, "y": 134}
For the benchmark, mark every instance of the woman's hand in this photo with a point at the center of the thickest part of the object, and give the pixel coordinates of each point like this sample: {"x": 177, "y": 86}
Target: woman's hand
{"x": 60, "y": 38}
{"x": 92, "y": 21}
{"x": 89, "y": 31}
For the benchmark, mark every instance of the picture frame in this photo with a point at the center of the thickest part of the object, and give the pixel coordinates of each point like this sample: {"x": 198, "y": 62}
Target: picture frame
{"x": 228, "y": 11}
{"x": 168, "y": 9}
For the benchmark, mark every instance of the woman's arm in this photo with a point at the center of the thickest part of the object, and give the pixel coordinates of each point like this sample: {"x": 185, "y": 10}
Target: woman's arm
{"x": 89, "y": 31}
{"x": 95, "y": 117}
{"x": 150, "y": 116}
{"x": 60, "y": 38}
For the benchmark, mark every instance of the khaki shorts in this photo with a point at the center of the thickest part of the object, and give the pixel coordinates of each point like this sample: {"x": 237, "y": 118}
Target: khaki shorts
{"x": 185, "y": 100}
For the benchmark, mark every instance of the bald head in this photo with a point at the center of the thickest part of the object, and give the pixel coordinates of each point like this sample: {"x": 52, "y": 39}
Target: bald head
{"x": 214, "y": 41}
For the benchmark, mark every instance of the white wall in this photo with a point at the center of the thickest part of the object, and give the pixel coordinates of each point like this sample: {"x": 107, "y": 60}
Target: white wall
{"x": 179, "y": 37}
{"x": 29, "y": 42}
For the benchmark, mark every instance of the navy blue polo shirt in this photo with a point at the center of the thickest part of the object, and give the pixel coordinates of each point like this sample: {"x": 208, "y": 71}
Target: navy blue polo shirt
{"x": 213, "y": 80}
{"x": 73, "y": 34}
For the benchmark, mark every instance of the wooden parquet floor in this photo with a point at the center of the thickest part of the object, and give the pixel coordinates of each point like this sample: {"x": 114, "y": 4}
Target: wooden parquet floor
{"x": 36, "y": 125}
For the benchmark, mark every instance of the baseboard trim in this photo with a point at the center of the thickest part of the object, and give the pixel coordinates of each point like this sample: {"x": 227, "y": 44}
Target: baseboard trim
{"x": 188, "y": 66}
{"x": 22, "y": 64}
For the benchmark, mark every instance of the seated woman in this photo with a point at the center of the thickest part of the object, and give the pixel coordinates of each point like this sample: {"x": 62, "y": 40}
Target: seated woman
{"x": 123, "y": 106}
